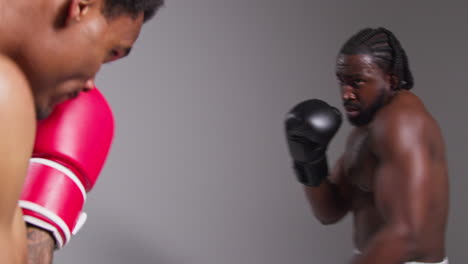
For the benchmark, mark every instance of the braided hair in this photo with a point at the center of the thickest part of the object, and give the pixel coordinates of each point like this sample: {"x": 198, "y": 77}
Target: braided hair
{"x": 386, "y": 50}
{"x": 113, "y": 8}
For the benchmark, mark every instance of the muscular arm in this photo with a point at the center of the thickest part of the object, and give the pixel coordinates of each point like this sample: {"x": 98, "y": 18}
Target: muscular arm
{"x": 16, "y": 140}
{"x": 404, "y": 191}
{"x": 41, "y": 246}
{"x": 330, "y": 201}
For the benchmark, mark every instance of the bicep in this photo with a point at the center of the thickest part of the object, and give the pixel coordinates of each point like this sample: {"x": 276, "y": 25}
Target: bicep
{"x": 402, "y": 186}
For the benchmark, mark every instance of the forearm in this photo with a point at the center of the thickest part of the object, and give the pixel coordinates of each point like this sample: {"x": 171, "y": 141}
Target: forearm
{"x": 388, "y": 246}
{"x": 326, "y": 202}
{"x": 41, "y": 246}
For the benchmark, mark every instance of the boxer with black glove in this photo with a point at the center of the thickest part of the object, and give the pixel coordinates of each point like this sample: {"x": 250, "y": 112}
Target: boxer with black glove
{"x": 392, "y": 176}
{"x": 310, "y": 126}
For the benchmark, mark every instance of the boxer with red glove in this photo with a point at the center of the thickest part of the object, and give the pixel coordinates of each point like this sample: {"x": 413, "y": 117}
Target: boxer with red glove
{"x": 70, "y": 150}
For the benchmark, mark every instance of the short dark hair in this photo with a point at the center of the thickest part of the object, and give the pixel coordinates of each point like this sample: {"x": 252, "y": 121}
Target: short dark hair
{"x": 387, "y": 51}
{"x": 113, "y": 8}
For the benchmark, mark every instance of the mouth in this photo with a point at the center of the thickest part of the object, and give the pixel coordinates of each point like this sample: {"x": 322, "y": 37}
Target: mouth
{"x": 352, "y": 110}
{"x": 58, "y": 100}
{"x": 62, "y": 98}
{"x": 352, "y": 113}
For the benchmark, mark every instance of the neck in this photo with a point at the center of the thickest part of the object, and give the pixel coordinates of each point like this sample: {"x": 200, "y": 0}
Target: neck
{"x": 389, "y": 97}
{"x": 10, "y": 27}
{"x": 19, "y": 20}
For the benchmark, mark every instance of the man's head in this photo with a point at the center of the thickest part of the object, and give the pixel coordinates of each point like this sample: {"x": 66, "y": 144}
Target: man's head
{"x": 371, "y": 67}
{"x": 71, "y": 39}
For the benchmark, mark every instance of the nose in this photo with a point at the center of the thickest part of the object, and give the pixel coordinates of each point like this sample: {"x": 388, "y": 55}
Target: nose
{"x": 348, "y": 93}
{"x": 89, "y": 85}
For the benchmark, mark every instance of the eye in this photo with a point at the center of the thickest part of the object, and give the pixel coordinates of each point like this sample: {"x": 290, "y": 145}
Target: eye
{"x": 113, "y": 55}
{"x": 74, "y": 94}
{"x": 358, "y": 82}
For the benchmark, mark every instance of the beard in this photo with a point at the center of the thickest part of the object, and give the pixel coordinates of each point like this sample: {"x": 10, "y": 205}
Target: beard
{"x": 42, "y": 113}
{"x": 366, "y": 115}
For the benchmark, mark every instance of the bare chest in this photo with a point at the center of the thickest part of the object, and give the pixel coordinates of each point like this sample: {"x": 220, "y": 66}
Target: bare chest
{"x": 359, "y": 161}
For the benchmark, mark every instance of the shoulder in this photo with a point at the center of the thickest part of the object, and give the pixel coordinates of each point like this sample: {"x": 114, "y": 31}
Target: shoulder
{"x": 16, "y": 101}
{"x": 17, "y": 131}
{"x": 15, "y": 90}
{"x": 10, "y": 69}
{"x": 403, "y": 122}
{"x": 404, "y": 112}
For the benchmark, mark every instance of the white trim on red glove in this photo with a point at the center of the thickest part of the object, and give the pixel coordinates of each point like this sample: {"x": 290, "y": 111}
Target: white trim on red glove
{"x": 50, "y": 179}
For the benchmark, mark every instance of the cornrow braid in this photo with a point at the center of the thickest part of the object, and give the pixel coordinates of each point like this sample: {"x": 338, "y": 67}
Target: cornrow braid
{"x": 387, "y": 51}
{"x": 114, "y": 8}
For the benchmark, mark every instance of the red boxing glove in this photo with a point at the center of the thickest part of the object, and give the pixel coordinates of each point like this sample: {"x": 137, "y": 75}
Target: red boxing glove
{"x": 70, "y": 150}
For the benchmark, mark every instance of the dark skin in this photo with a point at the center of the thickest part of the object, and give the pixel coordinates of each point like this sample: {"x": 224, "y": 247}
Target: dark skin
{"x": 392, "y": 175}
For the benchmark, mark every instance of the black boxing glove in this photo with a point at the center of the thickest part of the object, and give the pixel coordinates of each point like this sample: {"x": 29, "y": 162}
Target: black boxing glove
{"x": 310, "y": 126}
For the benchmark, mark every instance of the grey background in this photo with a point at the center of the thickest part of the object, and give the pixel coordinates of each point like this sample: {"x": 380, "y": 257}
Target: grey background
{"x": 199, "y": 171}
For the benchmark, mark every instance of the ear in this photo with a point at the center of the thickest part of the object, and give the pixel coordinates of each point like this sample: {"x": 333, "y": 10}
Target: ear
{"x": 394, "y": 81}
{"x": 77, "y": 9}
